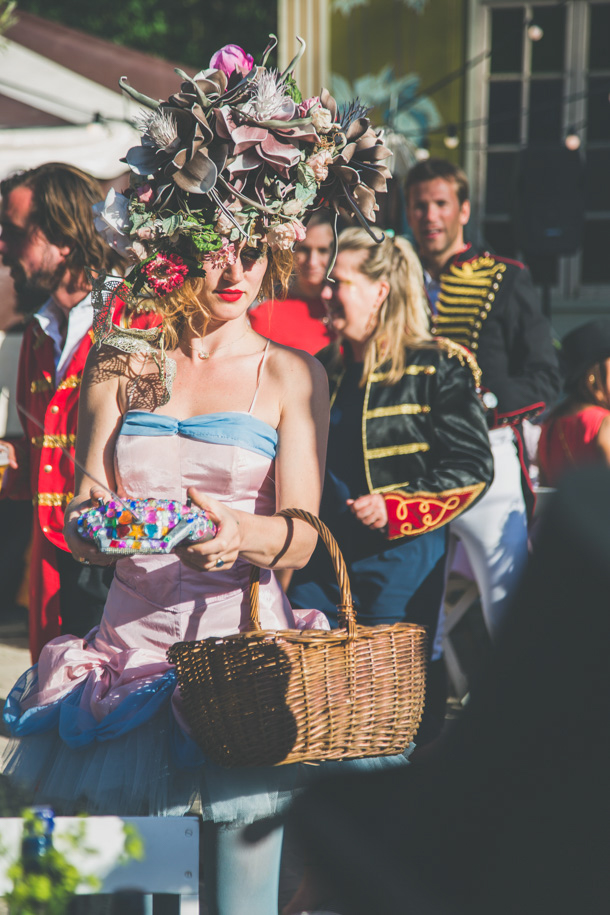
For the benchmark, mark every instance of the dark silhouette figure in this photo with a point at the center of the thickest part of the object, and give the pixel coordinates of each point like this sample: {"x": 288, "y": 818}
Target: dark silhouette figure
{"x": 509, "y": 813}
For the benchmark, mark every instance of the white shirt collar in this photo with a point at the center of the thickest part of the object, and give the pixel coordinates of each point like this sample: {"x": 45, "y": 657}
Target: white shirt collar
{"x": 80, "y": 319}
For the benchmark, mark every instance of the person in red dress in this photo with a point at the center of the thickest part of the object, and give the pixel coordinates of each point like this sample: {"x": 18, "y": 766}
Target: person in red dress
{"x": 300, "y": 320}
{"x": 577, "y": 430}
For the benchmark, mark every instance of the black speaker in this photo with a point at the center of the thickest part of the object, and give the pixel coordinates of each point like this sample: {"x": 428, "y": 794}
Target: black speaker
{"x": 549, "y": 204}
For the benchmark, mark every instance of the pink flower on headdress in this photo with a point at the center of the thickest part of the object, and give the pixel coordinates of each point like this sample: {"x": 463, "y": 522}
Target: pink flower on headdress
{"x": 224, "y": 224}
{"x": 308, "y": 103}
{"x": 145, "y": 193}
{"x": 231, "y": 57}
{"x": 137, "y": 251}
{"x": 165, "y": 272}
{"x": 319, "y": 163}
{"x": 223, "y": 257}
{"x": 293, "y": 207}
{"x": 256, "y": 147}
{"x": 283, "y": 236}
{"x": 322, "y": 119}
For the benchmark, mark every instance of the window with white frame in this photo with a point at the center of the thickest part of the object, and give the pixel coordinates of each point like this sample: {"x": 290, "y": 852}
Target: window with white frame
{"x": 536, "y": 92}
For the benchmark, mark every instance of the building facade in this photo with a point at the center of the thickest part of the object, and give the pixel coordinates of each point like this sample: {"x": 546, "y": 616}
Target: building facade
{"x": 532, "y": 92}
{"x": 507, "y": 78}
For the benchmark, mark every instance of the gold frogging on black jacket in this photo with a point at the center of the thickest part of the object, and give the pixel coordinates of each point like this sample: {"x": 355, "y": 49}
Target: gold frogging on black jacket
{"x": 489, "y": 304}
{"x": 468, "y": 291}
{"x": 424, "y": 438}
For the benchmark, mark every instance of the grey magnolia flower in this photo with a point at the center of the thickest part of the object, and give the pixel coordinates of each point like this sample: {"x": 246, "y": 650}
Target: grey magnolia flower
{"x": 358, "y": 172}
{"x": 178, "y": 147}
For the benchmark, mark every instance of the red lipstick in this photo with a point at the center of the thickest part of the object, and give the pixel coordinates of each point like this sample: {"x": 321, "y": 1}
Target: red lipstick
{"x": 230, "y": 295}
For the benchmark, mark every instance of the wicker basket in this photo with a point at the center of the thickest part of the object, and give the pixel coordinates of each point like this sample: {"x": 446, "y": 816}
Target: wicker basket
{"x": 276, "y": 697}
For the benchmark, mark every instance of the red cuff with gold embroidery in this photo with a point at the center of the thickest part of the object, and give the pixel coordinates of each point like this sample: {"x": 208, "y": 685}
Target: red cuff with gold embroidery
{"x": 418, "y": 512}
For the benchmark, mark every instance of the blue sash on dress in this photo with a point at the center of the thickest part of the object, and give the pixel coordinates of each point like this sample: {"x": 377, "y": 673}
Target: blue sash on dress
{"x": 230, "y": 428}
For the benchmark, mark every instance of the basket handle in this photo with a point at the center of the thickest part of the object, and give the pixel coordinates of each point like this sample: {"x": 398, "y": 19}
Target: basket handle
{"x": 346, "y": 612}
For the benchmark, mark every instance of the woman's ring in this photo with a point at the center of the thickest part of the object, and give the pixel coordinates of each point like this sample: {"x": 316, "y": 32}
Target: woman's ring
{"x": 84, "y": 561}
{"x": 220, "y": 563}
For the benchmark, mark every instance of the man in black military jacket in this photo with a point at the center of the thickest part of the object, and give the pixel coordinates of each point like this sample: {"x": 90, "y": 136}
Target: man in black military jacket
{"x": 489, "y": 305}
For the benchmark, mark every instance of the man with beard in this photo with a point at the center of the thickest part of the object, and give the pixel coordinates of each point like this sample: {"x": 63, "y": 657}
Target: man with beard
{"x": 488, "y": 304}
{"x": 47, "y": 240}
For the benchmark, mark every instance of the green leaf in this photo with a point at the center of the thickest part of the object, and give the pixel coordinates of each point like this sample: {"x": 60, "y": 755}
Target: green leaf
{"x": 140, "y": 218}
{"x": 48, "y": 892}
{"x": 293, "y": 90}
{"x": 171, "y": 224}
{"x": 134, "y": 845}
{"x": 306, "y": 176}
{"x": 206, "y": 240}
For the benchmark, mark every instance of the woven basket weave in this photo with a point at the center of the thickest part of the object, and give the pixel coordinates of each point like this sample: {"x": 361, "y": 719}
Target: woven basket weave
{"x": 266, "y": 697}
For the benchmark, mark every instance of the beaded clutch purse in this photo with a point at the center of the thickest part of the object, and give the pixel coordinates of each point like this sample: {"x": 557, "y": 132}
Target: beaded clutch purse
{"x": 144, "y": 526}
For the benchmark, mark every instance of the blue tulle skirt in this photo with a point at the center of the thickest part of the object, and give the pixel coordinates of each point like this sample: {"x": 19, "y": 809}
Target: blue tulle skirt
{"x": 137, "y": 761}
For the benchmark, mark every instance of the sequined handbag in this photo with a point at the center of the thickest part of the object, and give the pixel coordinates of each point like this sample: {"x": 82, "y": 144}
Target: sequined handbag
{"x": 144, "y": 526}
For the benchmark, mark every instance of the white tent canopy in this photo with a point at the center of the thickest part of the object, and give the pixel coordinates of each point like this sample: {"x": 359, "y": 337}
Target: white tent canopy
{"x": 96, "y": 148}
{"x": 36, "y": 81}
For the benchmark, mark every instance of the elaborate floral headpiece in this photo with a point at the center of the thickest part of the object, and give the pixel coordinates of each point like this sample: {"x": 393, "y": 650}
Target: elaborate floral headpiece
{"x": 236, "y": 154}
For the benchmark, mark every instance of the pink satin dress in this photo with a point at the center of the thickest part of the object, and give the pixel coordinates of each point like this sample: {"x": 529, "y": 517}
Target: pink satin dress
{"x": 97, "y": 723}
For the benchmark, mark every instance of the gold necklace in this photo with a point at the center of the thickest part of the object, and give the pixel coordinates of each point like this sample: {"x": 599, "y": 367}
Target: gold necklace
{"x": 205, "y": 354}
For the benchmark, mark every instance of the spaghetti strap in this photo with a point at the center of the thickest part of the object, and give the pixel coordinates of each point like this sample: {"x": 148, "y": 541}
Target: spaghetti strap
{"x": 259, "y": 373}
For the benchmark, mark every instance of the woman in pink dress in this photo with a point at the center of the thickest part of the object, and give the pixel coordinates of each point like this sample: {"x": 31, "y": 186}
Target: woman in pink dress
{"x": 577, "y": 430}
{"x": 244, "y": 435}
{"x": 200, "y": 407}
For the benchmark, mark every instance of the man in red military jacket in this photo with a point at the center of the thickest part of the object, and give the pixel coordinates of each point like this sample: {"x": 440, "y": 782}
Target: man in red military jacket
{"x": 488, "y": 304}
{"x": 48, "y": 239}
